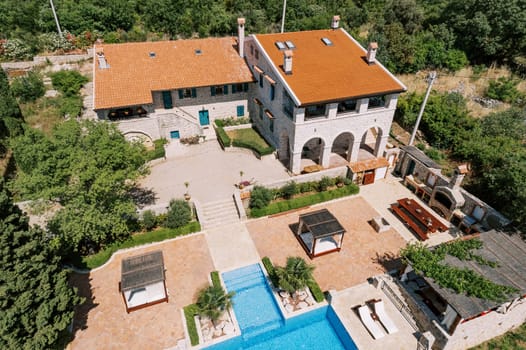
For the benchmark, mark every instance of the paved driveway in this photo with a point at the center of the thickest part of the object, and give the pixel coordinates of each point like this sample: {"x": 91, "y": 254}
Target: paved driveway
{"x": 210, "y": 171}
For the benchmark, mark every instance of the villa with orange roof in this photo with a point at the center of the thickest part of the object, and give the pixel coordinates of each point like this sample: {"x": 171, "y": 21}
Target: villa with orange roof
{"x": 318, "y": 96}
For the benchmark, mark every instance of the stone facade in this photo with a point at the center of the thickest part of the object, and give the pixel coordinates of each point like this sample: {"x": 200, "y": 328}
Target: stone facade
{"x": 290, "y": 134}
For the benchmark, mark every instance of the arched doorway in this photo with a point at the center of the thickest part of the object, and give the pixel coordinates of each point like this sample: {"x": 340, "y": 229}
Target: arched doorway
{"x": 370, "y": 144}
{"x": 342, "y": 145}
{"x": 312, "y": 152}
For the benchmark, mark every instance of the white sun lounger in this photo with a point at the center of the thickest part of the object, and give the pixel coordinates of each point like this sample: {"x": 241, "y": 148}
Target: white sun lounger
{"x": 373, "y": 328}
{"x": 379, "y": 310}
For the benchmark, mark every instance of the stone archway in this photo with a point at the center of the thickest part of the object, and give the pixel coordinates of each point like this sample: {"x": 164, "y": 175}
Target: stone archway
{"x": 371, "y": 143}
{"x": 139, "y": 136}
{"x": 343, "y": 144}
{"x": 312, "y": 152}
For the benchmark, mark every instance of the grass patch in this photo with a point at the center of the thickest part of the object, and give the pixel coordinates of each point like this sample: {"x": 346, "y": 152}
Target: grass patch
{"x": 158, "y": 151}
{"x": 515, "y": 339}
{"x": 162, "y": 234}
{"x": 216, "y": 281}
{"x": 249, "y": 138}
{"x": 189, "y": 312}
{"x": 316, "y": 291}
{"x": 299, "y": 202}
{"x": 271, "y": 271}
{"x": 44, "y": 113}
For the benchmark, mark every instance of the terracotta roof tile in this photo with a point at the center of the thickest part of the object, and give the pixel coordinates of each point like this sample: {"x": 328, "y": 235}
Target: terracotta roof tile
{"x": 133, "y": 74}
{"x": 322, "y": 72}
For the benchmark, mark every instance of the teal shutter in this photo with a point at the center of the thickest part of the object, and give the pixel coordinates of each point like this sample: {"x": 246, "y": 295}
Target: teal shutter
{"x": 212, "y": 90}
{"x": 245, "y": 87}
{"x": 194, "y": 93}
{"x": 181, "y": 94}
{"x": 234, "y": 88}
{"x": 225, "y": 89}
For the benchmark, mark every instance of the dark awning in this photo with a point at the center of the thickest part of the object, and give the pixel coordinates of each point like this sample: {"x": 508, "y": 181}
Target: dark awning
{"x": 142, "y": 270}
{"x": 321, "y": 223}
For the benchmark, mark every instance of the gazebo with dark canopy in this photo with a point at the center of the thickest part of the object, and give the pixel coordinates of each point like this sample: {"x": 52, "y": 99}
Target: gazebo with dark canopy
{"x": 319, "y": 233}
{"x": 143, "y": 281}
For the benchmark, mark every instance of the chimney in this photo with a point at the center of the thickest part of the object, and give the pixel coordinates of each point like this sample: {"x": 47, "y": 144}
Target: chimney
{"x": 103, "y": 64}
{"x": 371, "y": 52}
{"x": 458, "y": 176}
{"x": 287, "y": 61}
{"x": 335, "y": 22}
{"x": 241, "y": 36}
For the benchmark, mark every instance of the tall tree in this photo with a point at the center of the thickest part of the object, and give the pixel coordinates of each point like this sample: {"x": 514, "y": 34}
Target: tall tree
{"x": 10, "y": 115}
{"x": 36, "y": 300}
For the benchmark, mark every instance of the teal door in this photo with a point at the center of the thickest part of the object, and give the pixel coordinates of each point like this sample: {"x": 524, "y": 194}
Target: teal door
{"x": 203, "y": 117}
{"x": 175, "y": 134}
{"x": 241, "y": 111}
{"x": 167, "y": 100}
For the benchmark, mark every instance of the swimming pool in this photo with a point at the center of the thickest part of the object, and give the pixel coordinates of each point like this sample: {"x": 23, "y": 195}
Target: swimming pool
{"x": 263, "y": 326}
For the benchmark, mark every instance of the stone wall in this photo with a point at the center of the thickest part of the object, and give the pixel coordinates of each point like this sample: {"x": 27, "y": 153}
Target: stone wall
{"x": 160, "y": 126}
{"x": 42, "y": 60}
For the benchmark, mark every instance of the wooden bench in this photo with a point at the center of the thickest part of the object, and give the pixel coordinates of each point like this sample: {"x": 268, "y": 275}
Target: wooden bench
{"x": 410, "y": 221}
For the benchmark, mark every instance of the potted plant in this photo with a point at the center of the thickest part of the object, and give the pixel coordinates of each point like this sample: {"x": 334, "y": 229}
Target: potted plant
{"x": 186, "y": 194}
{"x": 241, "y": 184}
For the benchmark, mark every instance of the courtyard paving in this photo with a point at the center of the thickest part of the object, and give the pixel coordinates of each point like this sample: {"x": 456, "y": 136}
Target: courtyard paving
{"x": 210, "y": 171}
{"x": 102, "y": 322}
{"x": 364, "y": 252}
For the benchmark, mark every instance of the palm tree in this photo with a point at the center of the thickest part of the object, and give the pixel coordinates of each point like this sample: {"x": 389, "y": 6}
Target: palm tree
{"x": 212, "y": 301}
{"x": 295, "y": 275}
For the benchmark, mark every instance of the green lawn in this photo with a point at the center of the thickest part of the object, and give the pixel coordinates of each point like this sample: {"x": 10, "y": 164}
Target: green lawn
{"x": 249, "y": 138}
{"x": 513, "y": 340}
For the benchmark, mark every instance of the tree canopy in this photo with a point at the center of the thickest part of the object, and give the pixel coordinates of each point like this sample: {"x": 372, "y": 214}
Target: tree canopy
{"x": 84, "y": 167}
{"x": 36, "y": 300}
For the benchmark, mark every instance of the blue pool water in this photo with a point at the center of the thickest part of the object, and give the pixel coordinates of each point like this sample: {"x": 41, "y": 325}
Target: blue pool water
{"x": 263, "y": 326}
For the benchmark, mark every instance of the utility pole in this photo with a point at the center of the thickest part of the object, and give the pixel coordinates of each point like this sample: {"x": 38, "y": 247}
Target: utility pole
{"x": 283, "y": 16}
{"x": 431, "y": 79}
{"x": 56, "y": 18}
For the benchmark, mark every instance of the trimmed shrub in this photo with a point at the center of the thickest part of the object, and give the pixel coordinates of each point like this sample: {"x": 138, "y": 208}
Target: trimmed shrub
{"x": 216, "y": 281}
{"x": 300, "y": 202}
{"x": 289, "y": 190}
{"x": 262, "y": 151}
{"x": 189, "y": 312}
{"x": 224, "y": 139}
{"x": 260, "y": 197}
{"x": 316, "y": 291}
{"x": 271, "y": 271}
{"x": 28, "y": 88}
{"x": 158, "y": 151}
{"x": 149, "y": 220}
{"x": 179, "y": 214}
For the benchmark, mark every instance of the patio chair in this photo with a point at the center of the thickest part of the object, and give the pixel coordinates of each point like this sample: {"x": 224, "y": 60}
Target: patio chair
{"x": 379, "y": 310}
{"x": 373, "y": 328}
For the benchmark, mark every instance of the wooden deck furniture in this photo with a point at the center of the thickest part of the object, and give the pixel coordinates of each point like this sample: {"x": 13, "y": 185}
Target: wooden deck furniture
{"x": 418, "y": 218}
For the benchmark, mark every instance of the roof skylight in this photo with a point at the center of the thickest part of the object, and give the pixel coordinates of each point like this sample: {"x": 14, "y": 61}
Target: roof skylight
{"x": 290, "y": 45}
{"x": 327, "y": 41}
{"x": 280, "y": 45}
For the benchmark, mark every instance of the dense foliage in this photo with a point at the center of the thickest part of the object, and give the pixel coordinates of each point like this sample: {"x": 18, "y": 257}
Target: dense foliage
{"x": 212, "y": 301}
{"x": 36, "y": 300}
{"x": 28, "y": 88}
{"x": 10, "y": 116}
{"x": 84, "y": 167}
{"x": 68, "y": 82}
{"x": 462, "y": 280}
{"x": 412, "y": 34}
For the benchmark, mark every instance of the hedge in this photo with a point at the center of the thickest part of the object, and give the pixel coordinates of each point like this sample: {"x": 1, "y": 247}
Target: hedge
{"x": 223, "y": 137}
{"x": 158, "y": 151}
{"x": 316, "y": 291}
{"x": 262, "y": 151}
{"x": 299, "y": 202}
{"x": 216, "y": 281}
{"x": 162, "y": 234}
{"x": 271, "y": 271}
{"x": 189, "y": 312}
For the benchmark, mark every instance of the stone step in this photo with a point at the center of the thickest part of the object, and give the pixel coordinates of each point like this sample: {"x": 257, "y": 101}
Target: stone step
{"x": 219, "y": 213}
{"x": 225, "y": 208}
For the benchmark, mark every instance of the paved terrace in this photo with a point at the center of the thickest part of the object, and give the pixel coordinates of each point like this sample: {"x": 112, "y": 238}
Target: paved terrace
{"x": 363, "y": 251}
{"x": 102, "y": 322}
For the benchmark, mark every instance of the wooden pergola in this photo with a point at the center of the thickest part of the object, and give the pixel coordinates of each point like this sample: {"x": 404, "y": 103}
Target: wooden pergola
{"x": 319, "y": 233}
{"x": 143, "y": 281}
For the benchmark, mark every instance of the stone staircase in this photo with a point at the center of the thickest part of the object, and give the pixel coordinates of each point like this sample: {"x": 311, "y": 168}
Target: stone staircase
{"x": 219, "y": 213}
